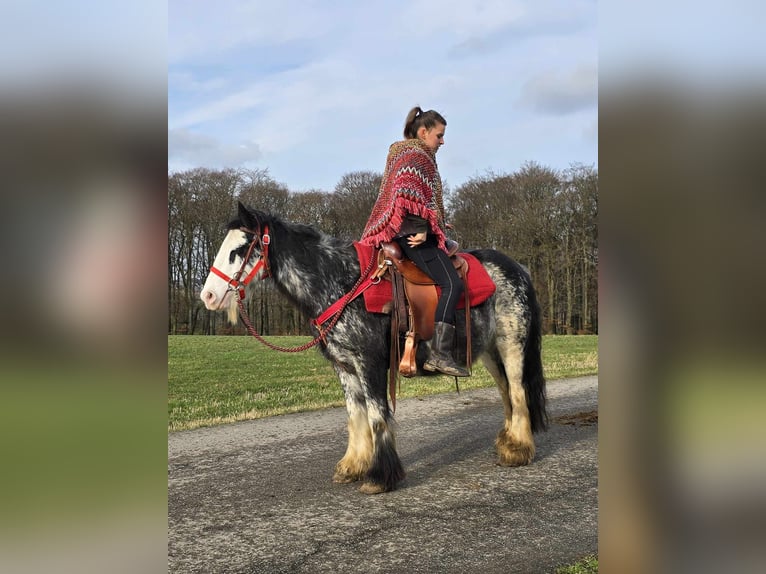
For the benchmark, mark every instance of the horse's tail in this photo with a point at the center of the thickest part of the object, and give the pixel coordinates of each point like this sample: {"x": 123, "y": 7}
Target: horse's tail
{"x": 533, "y": 378}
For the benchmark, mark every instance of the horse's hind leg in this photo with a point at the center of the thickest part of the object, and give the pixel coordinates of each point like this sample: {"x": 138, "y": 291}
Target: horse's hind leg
{"x": 356, "y": 462}
{"x": 514, "y": 443}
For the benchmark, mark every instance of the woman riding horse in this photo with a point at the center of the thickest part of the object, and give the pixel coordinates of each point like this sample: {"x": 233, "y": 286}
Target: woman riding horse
{"x": 410, "y": 211}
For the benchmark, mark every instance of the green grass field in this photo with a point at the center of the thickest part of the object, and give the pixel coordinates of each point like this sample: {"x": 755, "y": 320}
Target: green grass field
{"x": 215, "y": 379}
{"x": 586, "y": 565}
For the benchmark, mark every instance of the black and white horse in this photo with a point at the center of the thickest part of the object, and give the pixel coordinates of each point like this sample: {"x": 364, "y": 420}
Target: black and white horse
{"x": 314, "y": 270}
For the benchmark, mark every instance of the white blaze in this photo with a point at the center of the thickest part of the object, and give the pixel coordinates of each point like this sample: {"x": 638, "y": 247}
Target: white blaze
{"x": 215, "y": 292}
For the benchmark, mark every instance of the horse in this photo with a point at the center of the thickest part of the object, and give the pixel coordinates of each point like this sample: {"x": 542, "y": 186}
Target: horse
{"x": 314, "y": 270}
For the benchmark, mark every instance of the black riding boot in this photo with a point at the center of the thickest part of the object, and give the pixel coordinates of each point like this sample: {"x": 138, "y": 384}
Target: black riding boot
{"x": 441, "y": 352}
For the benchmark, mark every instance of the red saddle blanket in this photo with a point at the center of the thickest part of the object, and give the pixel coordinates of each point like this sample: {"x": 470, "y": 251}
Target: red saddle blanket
{"x": 480, "y": 285}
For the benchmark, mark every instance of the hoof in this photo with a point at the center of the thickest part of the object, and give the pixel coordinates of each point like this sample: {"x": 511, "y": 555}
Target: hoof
{"x": 515, "y": 456}
{"x": 372, "y": 488}
{"x": 346, "y": 472}
{"x": 339, "y": 478}
{"x": 510, "y": 454}
{"x": 344, "y": 475}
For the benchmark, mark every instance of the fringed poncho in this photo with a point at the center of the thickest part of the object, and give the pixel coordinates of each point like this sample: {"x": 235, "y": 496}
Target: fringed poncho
{"x": 411, "y": 184}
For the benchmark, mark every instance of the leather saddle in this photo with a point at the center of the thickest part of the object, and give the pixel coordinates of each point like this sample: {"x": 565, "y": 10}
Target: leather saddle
{"x": 414, "y": 304}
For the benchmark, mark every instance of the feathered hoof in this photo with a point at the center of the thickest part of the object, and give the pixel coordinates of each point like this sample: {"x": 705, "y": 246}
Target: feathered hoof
{"x": 372, "y": 488}
{"x": 344, "y": 478}
{"x": 511, "y": 454}
{"x": 349, "y": 470}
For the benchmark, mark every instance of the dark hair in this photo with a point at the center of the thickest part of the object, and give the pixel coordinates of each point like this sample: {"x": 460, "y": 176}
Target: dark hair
{"x": 417, "y": 118}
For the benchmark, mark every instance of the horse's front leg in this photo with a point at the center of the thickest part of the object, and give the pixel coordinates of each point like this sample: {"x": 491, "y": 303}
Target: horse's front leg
{"x": 386, "y": 469}
{"x": 356, "y": 462}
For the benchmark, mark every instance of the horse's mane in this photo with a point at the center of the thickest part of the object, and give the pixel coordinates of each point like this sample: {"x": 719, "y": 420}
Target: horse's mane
{"x": 306, "y": 233}
{"x": 309, "y": 267}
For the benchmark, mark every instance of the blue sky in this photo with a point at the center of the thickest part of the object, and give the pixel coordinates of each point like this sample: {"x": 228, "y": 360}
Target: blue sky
{"x": 313, "y": 90}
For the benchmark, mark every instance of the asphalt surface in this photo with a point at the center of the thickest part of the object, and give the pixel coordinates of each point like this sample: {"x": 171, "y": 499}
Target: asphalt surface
{"x": 257, "y": 496}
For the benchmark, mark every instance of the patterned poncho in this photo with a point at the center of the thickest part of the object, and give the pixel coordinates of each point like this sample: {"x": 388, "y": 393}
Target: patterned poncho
{"x": 411, "y": 184}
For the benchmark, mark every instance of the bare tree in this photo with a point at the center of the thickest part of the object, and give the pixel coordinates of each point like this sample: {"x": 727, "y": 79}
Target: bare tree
{"x": 260, "y": 191}
{"x": 200, "y": 203}
{"x": 182, "y": 226}
{"x": 213, "y": 207}
{"x": 352, "y": 202}
{"x": 311, "y": 207}
{"x": 544, "y": 219}
{"x": 536, "y": 221}
{"x": 582, "y": 214}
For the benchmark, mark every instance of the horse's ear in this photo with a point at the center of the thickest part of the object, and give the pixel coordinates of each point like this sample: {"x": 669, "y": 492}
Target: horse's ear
{"x": 245, "y": 217}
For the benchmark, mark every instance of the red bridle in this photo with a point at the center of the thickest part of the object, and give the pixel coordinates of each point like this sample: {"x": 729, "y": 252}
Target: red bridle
{"x": 263, "y": 261}
{"x": 365, "y": 280}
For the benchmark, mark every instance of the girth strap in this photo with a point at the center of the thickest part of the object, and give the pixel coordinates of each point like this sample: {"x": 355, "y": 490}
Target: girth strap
{"x": 463, "y": 271}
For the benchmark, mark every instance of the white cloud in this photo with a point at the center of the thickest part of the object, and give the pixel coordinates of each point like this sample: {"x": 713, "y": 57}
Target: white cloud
{"x": 322, "y": 89}
{"x": 185, "y": 81}
{"x": 462, "y": 19}
{"x": 188, "y": 149}
{"x": 558, "y": 93}
{"x": 220, "y": 108}
{"x": 201, "y": 30}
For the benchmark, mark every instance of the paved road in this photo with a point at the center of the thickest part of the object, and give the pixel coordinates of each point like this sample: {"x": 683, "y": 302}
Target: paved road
{"x": 257, "y": 496}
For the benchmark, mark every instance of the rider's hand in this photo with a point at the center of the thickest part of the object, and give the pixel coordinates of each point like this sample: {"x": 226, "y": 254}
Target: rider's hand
{"x": 416, "y": 239}
{"x": 449, "y": 226}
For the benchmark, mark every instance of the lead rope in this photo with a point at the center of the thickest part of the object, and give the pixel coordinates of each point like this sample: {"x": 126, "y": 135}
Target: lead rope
{"x": 322, "y": 333}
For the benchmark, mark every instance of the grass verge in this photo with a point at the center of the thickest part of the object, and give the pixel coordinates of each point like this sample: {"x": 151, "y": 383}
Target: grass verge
{"x": 586, "y": 565}
{"x": 220, "y": 379}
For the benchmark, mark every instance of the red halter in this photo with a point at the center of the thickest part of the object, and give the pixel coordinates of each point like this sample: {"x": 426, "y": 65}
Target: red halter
{"x": 263, "y": 261}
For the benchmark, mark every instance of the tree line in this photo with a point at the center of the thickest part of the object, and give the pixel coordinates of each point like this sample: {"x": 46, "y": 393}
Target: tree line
{"x": 543, "y": 218}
